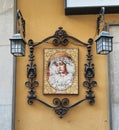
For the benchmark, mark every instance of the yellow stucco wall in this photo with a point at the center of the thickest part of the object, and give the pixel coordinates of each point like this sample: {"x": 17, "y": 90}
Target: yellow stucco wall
{"x": 42, "y": 19}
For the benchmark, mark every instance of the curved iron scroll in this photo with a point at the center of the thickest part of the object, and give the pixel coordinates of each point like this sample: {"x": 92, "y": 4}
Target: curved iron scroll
{"x": 61, "y": 107}
{"x": 60, "y": 38}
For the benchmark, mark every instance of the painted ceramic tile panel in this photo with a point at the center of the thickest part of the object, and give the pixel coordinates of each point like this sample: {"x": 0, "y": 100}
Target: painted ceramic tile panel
{"x": 61, "y": 71}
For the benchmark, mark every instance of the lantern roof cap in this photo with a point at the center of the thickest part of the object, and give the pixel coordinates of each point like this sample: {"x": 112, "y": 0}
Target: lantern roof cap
{"x": 17, "y": 36}
{"x": 104, "y": 34}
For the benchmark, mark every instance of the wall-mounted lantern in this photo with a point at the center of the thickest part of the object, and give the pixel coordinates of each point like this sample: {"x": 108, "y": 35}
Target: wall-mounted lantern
{"x": 17, "y": 42}
{"x": 17, "y": 45}
{"x": 104, "y": 40}
{"x": 104, "y": 43}
{"x": 60, "y": 37}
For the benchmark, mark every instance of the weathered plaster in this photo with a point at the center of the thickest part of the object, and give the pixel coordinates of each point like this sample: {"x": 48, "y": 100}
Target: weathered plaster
{"x": 113, "y": 79}
{"x": 6, "y": 5}
{"x": 6, "y": 64}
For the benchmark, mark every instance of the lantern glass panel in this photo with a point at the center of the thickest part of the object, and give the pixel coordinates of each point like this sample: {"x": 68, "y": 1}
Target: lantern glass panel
{"x": 105, "y": 44}
{"x": 99, "y": 45}
{"x": 18, "y": 47}
{"x": 110, "y": 44}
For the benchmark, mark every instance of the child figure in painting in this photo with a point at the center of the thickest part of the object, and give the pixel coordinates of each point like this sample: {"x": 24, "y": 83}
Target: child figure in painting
{"x": 61, "y": 72}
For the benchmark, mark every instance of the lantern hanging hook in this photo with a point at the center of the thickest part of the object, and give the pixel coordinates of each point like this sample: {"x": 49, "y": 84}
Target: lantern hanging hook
{"x": 100, "y": 20}
{"x": 20, "y": 23}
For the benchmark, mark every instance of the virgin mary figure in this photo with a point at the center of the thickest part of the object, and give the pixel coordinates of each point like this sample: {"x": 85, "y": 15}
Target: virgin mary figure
{"x": 61, "y": 71}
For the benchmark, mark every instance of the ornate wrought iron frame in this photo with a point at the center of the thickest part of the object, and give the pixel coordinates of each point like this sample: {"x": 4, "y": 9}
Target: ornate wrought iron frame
{"x": 61, "y": 107}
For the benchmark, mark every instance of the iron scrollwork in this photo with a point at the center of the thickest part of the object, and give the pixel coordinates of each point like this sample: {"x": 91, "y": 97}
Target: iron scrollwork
{"x": 89, "y": 75}
{"x": 31, "y": 74}
{"x": 60, "y": 37}
{"x": 61, "y": 107}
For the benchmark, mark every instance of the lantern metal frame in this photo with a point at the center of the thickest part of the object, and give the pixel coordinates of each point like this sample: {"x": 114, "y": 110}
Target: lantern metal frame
{"x": 17, "y": 45}
{"x": 104, "y": 43}
{"x": 59, "y": 38}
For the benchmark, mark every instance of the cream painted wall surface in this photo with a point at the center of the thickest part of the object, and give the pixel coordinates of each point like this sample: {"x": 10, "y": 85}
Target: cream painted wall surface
{"x": 6, "y": 63}
{"x": 42, "y": 19}
{"x": 113, "y": 78}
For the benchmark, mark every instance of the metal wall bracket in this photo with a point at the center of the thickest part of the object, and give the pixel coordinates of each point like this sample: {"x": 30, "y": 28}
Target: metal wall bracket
{"x": 61, "y": 106}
